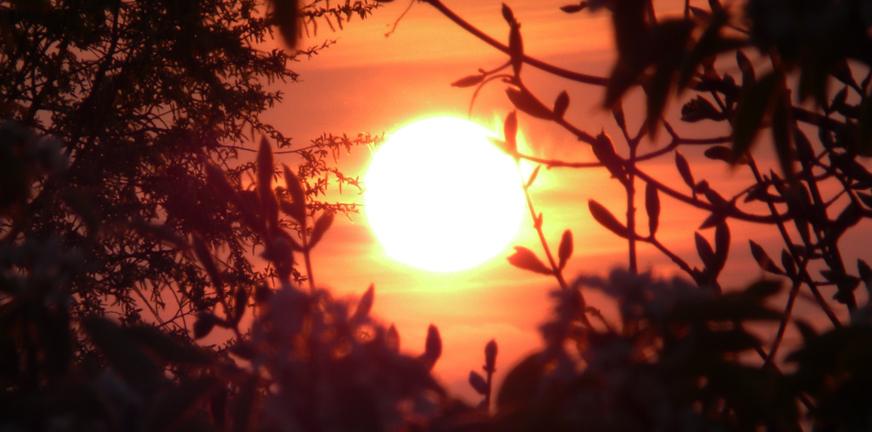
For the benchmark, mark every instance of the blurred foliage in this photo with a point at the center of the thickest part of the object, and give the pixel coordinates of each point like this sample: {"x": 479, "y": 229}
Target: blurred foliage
{"x": 121, "y": 185}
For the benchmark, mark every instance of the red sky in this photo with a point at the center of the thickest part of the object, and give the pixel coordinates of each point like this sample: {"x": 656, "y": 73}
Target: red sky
{"x": 370, "y": 83}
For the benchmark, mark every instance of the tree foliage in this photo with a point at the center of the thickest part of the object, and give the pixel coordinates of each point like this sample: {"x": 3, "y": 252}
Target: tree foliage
{"x": 121, "y": 185}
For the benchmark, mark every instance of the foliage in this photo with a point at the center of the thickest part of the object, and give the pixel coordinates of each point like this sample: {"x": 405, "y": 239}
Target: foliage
{"x": 117, "y": 180}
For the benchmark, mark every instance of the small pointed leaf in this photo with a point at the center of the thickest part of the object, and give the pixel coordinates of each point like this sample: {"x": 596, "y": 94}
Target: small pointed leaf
{"x": 606, "y": 219}
{"x": 564, "y": 252}
{"x": 524, "y": 258}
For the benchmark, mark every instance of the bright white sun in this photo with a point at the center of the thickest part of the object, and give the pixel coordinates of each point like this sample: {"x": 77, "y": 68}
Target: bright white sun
{"x": 441, "y": 197}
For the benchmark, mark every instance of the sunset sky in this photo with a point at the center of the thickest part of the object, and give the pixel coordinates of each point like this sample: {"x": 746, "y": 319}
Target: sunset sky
{"x": 367, "y": 82}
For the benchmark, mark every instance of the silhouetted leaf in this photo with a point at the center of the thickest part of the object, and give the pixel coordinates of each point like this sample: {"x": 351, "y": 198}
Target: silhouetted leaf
{"x": 783, "y": 138}
{"x": 700, "y": 13}
{"x": 243, "y": 349}
{"x": 126, "y": 357}
{"x": 510, "y": 132}
{"x": 508, "y": 15}
{"x": 684, "y": 169}
{"x": 432, "y": 347}
{"x": 604, "y": 151}
{"x": 722, "y": 246}
{"x": 204, "y": 324}
{"x": 526, "y": 102}
{"x": 722, "y": 153}
{"x": 297, "y": 209}
{"x": 565, "y": 249}
{"x": 520, "y": 384}
{"x": 606, "y": 219}
{"x": 560, "y": 104}
{"x": 524, "y": 258}
{"x": 468, "y": 81}
{"x": 533, "y": 176}
{"x": 652, "y": 207}
{"x": 490, "y": 356}
{"x": 756, "y": 102}
{"x": 322, "y": 224}
{"x": 573, "y": 8}
{"x": 478, "y": 382}
{"x": 618, "y": 114}
{"x": 865, "y": 199}
{"x": 705, "y": 252}
{"x": 865, "y": 123}
{"x": 364, "y": 305}
{"x": 763, "y": 259}
{"x": 698, "y": 109}
{"x": 285, "y": 15}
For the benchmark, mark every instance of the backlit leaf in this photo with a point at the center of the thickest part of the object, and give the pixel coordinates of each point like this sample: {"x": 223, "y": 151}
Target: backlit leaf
{"x": 787, "y": 263}
{"x": 684, "y": 169}
{"x": 392, "y": 339}
{"x": 560, "y": 104}
{"x": 750, "y": 112}
{"x": 240, "y": 302}
{"x": 205, "y": 258}
{"x": 297, "y": 209}
{"x": 265, "y": 168}
{"x": 763, "y": 259}
{"x": 604, "y": 151}
{"x": 705, "y": 252}
{"x": 533, "y": 176}
{"x": 748, "y": 76}
{"x": 468, "y": 81}
{"x": 564, "y": 252}
{"x": 516, "y": 48}
{"x": 524, "y": 258}
{"x": 432, "y": 347}
{"x": 507, "y": 14}
{"x": 321, "y": 225}
{"x": 478, "y": 382}
{"x": 490, "y": 356}
{"x": 510, "y": 132}
{"x": 573, "y": 8}
{"x": 722, "y": 245}
{"x": 286, "y": 14}
{"x": 364, "y": 305}
{"x": 606, "y": 219}
{"x": 526, "y": 102}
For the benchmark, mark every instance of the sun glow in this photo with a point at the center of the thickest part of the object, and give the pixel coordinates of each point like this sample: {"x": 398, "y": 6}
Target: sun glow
{"x": 441, "y": 197}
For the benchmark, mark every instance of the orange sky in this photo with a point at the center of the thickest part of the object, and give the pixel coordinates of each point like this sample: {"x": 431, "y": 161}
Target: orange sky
{"x": 371, "y": 83}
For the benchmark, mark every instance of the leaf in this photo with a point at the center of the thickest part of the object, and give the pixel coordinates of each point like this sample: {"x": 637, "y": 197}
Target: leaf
{"x": 705, "y": 252}
{"x": 763, "y": 259}
{"x": 468, "y": 81}
{"x": 574, "y": 8}
{"x": 392, "y": 339}
{"x": 722, "y": 246}
{"x": 748, "y": 77}
{"x": 652, "y": 207}
{"x": 298, "y": 196}
{"x": 364, "y": 305}
{"x": 618, "y": 114}
{"x": 718, "y": 152}
{"x": 322, "y": 224}
{"x": 432, "y": 347}
{"x": 285, "y": 15}
{"x": 510, "y": 132}
{"x": 178, "y": 404}
{"x": 698, "y": 109}
{"x": 478, "y": 383}
{"x": 564, "y": 252}
{"x": 533, "y": 176}
{"x": 520, "y": 384}
{"x": 783, "y": 138}
{"x": 205, "y": 258}
{"x": 508, "y": 15}
{"x": 561, "y": 104}
{"x": 490, "y": 356}
{"x": 606, "y": 219}
{"x": 523, "y": 100}
{"x": 750, "y": 112}
{"x": 524, "y": 258}
{"x": 684, "y": 169}
{"x": 604, "y": 151}
{"x": 204, "y": 324}
{"x": 126, "y": 357}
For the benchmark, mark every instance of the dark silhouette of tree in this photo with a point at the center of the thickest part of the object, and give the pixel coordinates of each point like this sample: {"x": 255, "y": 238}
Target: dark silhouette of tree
{"x": 141, "y": 94}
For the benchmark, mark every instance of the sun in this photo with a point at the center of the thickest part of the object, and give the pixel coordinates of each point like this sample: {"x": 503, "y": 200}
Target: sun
{"x": 441, "y": 197}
